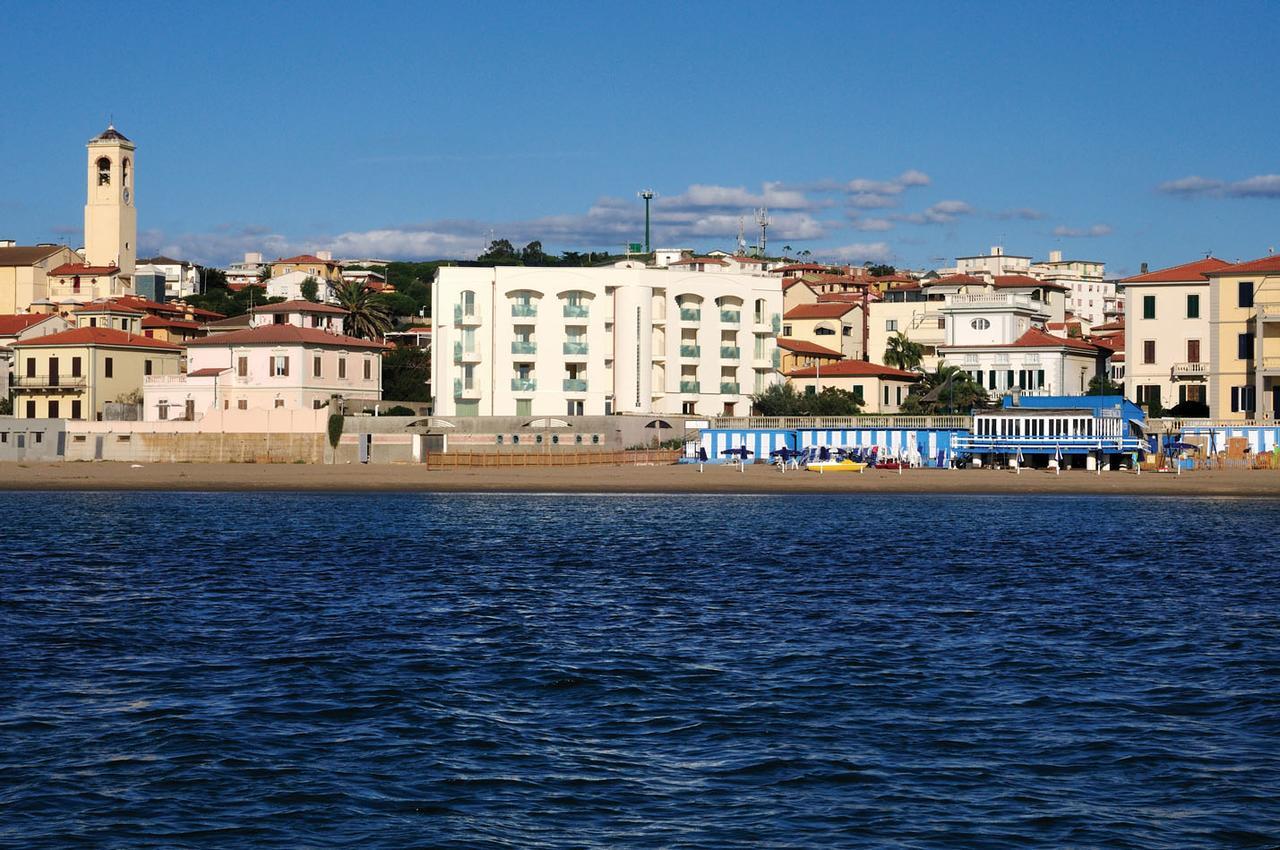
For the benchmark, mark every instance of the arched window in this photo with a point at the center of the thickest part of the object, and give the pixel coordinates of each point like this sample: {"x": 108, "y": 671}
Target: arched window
{"x": 980, "y": 324}
{"x": 104, "y": 171}
{"x": 124, "y": 170}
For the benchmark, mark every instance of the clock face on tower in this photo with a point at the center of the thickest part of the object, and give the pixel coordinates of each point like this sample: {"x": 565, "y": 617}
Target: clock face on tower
{"x": 126, "y": 195}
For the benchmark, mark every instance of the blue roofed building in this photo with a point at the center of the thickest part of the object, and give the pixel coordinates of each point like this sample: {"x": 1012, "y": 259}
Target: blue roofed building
{"x": 1101, "y": 427}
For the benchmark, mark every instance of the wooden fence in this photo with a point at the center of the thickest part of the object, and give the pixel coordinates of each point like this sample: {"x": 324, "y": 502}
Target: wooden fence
{"x": 464, "y": 460}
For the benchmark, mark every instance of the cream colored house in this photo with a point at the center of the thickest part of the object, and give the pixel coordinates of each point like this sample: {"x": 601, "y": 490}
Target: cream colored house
{"x": 320, "y": 266}
{"x": 908, "y": 309}
{"x": 831, "y": 324}
{"x": 1166, "y": 334}
{"x": 24, "y": 273}
{"x": 1244, "y": 340}
{"x": 523, "y": 341}
{"x": 881, "y": 388}
{"x": 73, "y": 374}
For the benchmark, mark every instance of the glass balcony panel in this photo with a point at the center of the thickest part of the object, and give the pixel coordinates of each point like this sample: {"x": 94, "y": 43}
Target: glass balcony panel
{"x": 520, "y": 346}
{"x": 575, "y": 348}
{"x": 524, "y": 311}
{"x": 523, "y": 385}
{"x": 690, "y": 314}
{"x": 690, "y": 351}
{"x": 730, "y": 317}
{"x": 729, "y": 387}
{"x": 730, "y": 352}
{"x": 689, "y": 387}
{"x": 575, "y": 385}
{"x": 576, "y": 311}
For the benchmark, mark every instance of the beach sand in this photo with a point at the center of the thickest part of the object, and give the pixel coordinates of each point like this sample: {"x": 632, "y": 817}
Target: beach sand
{"x": 99, "y": 476}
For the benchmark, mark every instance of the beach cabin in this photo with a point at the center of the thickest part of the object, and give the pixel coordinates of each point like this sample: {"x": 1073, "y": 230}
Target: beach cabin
{"x": 1080, "y": 431}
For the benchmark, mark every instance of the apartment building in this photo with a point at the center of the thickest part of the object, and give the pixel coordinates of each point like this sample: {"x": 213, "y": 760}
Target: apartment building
{"x": 1244, "y": 340}
{"x": 518, "y": 341}
{"x": 1166, "y": 336}
{"x": 1089, "y": 294}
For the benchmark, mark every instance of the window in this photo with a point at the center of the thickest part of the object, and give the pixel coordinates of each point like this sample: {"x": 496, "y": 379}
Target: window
{"x": 75, "y": 409}
{"x": 31, "y": 367}
{"x": 279, "y": 402}
{"x": 368, "y": 369}
{"x": 75, "y": 367}
{"x": 146, "y": 367}
{"x": 31, "y": 410}
{"x": 53, "y": 409}
{"x": 242, "y": 404}
{"x": 108, "y": 367}
{"x": 1193, "y": 306}
{"x": 1193, "y": 351}
{"x": 1244, "y": 346}
{"x": 316, "y": 371}
{"x": 280, "y": 366}
{"x": 786, "y": 330}
{"x": 1148, "y": 306}
{"x": 104, "y": 171}
{"x": 891, "y": 325}
{"x": 1148, "y": 351}
{"x": 1242, "y": 399}
{"x": 823, "y": 331}
{"x": 1244, "y": 293}
{"x": 980, "y": 324}
{"x": 886, "y": 394}
{"x": 242, "y": 367}
{"x": 342, "y": 370}
{"x": 857, "y": 393}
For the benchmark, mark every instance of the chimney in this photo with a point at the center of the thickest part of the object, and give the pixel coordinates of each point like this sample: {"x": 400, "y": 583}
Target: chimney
{"x": 1055, "y": 256}
{"x": 324, "y": 255}
{"x": 1144, "y": 269}
{"x": 7, "y": 243}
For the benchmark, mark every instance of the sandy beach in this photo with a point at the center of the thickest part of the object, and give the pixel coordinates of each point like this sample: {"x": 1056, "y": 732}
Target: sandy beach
{"x": 620, "y": 479}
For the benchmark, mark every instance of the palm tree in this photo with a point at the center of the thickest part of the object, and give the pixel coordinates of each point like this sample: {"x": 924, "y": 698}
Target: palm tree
{"x": 367, "y": 317}
{"x": 902, "y": 353}
{"x": 950, "y": 389}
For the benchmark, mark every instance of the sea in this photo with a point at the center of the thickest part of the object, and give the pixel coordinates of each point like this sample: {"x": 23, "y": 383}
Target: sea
{"x": 185, "y": 670}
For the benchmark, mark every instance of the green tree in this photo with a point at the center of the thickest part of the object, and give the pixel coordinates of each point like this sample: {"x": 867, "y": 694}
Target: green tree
{"x": 406, "y": 369}
{"x": 500, "y": 252}
{"x": 950, "y": 389}
{"x": 6, "y": 406}
{"x": 367, "y": 318}
{"x": 832, "y": 402}
{"x": 1103, "y": 385}
{"x": 397, "y": 304}
{"x": 230, "y": 302}
{"x": 533, "y": 255}
{"x": 778, "y": 400}
{"x": 786, "y": 400}
{"x": 310, "y": 289}
{"x": 902, "y": 353}
{"x": 881, "y": 270}
{"x": 211, "y": 278}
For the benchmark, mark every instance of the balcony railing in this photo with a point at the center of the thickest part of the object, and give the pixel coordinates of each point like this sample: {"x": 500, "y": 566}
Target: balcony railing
{"x": 35, "y": 381}
{"x": 777, "y": 358}
{"x": 575, "y": 385}
{"x": 524, "y": 346}
{"x": 461, "y": 318}
{"x": 690, "y": 351}
{"x": 730, "y": 352}
{"x": 523, "y": 385}
{"x": 690, "y": 387}
{"x": 524, "y": 311}
{"x": 460, "y": 391}
{"x": 575, "y": 349}
{"x": 156, "y": 380}
{"x": 1268, "y": 310}
{"x": 776, "y": 323}
{"x": 999, "y": 299}
{"x": 1180, "y": 369}
{"x": 729, "y": 387}
{"x": 690, "y": 314}
{"x": 730, "y": 317}
{"x": 576, "y": 311}
{"x": 1270, "y": 363}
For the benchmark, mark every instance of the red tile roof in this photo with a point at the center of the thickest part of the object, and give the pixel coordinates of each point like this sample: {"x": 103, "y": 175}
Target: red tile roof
{"x": 823, "y": 310}
{"x": 208, "y": 373}
{"x": 800, "y": 267}
{"x": 1117, "y": 325}
{"x": 99, "y": 336}
{"x": 959, "y": 280}
{"x": 894, "y": 278}
{"x": 300, "y": 307}
{"x": 1263, "y": 265}
{"x": 287, "y": 335}
{"x": 1193, "y": 272}
{"x": 107, "y": 307}
{"x": 854, "y": 369}
{"x": 788, "y": 282}
{"x": 176, "y": 324}
{"x": 688, "y": 261}
{"x": 81, "y": 268}
{"x": 800, "y": 346}
{"x": 738, "y": 259}
{"x": 304, "y": 258}
{"x": 16, "y": 323}
{"x": 1036, "y": 338}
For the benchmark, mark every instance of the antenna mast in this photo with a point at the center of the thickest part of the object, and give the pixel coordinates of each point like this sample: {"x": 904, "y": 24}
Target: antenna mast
{"x": 762, "y": 219}
{"x": 647, "y": 194}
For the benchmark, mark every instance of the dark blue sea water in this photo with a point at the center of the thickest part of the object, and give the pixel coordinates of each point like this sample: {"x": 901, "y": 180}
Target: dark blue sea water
{"x": 274, "y": 670}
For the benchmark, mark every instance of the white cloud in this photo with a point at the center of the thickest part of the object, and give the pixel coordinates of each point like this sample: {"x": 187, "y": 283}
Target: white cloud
{"x": 872, "y": 224}
{"x": 1021, "y": 213}
{"x": 875, "y": 194}
{"x": 939, "y": 213}
{"x": 1091, "y": 232}
{"x": 1258, "y": 186}
{"x": 861, "y": 252}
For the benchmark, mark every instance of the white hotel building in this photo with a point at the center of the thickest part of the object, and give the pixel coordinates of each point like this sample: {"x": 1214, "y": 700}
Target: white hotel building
{"x": 526, "y": 341}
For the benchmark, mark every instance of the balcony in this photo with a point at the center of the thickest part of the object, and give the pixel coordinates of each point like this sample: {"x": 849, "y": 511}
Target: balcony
{"x": 729, "y": 387}
{"x": 776, "y": 323}
{"x": 524, "y": 311}
{"x": 730, "y": 352}
{"x": 730, "y": 317}
{"x": 1270, "y": 364}
{"x": 690, "y": 351}
{"x": 998, "y": 299}
{"x": 777, "y": 358}
{"x": 459, "y": 391}
{"x": 575, "y": 349}
{"x": 524, "y": 346}
{"x": 576, "y": 311}
{"x": 467, "y": 318}
{"x": 1268, "y": 311}
{"x": 690, "y": 314}
{"x": 1190, "y": 370}
{"x": 575, "y": 385}
{"x": 690, "y": 387}
{"x": 523, "y": 385}
{"x": 460, "y": 356}
{"x": 36, "y": 382}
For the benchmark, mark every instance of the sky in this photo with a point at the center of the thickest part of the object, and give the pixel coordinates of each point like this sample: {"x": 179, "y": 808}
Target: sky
{"x": 1118, "y": 132}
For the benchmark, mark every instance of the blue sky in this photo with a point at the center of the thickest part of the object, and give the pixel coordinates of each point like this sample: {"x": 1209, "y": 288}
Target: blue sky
{"x": 1121, "y": 132}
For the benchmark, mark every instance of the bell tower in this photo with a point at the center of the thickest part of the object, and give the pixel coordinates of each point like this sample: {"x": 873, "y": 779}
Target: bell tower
{"x": 110, "y": 219}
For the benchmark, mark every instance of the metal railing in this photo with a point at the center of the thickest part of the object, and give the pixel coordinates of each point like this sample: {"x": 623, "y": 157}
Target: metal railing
{"x": 730, "y": 352}
{"x": 524, "y": 385}
{"x": 843, "y": 422}
{"x": 575, "y": 348}
{"x": 49, "y": 381}
{"x": 521, "y": 346}
{"x": 690, "y": 387}
{"x": 575, "y": 385}
{"x": 690, "y": 351}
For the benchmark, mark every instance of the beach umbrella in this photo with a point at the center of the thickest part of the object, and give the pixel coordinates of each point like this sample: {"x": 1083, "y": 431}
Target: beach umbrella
{"x": 1018, "y": 459}
{"x": 1057, "y": 455}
